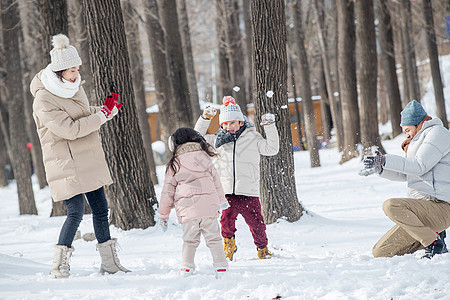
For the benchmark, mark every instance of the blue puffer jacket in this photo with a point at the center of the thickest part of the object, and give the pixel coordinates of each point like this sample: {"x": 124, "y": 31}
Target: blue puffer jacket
{"x": 426, "y": 166}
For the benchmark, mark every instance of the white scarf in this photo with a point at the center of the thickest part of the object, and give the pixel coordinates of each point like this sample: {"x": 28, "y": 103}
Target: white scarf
{"x": 64, "y": 88}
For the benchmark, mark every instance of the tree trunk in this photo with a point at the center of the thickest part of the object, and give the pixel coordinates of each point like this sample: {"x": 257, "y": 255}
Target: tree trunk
{"x": 77, "y": 30}
{"x": 132, "y": 196}
{"x": 247, "y": 14}
{"x": 3, "y": 162}
{"x": 324, "y": 104}
{"x": 131, "y": 20}
{"x": 434, "y": 62}
{"x": 386, "y": 40}
{"x": 31, "y": 66}
{"x": 17, "y": 130}
{"x": 225, "y": 85}
{"x": 188, "y": 58}
{"x": 335, "y": 107}
{"x": 307, "y": 105}
{"x": 297, "y": 110}
{"x": 166, "y": 117}
{"x": 270, "y": 73}
{"x": 410, "y": 53}
{"x": 175, "y": 63}
{"x": 235, "y": 53}
{"x": 348, "y": 94}
{"x": 368, "y": 73}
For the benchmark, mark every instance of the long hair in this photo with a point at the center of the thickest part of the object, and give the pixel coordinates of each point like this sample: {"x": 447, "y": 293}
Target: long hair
{"x": 185, "y": 135}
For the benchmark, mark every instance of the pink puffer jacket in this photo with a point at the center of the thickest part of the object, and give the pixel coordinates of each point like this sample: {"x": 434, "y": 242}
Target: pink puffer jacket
{"x": 195, "y": 190}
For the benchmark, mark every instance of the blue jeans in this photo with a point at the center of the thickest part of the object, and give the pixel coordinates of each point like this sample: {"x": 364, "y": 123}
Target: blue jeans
{"x": 75, "y": 210}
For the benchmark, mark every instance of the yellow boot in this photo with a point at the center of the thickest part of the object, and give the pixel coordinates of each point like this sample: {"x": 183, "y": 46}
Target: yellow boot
{"x": 229, "y": 246}
{"x": 264, "y": 253}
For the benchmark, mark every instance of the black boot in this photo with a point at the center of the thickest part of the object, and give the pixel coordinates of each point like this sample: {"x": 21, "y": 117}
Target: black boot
{"x": 443, "y": 236}
{"x": 436, "y": 247}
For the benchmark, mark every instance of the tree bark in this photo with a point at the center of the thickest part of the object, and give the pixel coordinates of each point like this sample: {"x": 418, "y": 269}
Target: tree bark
{"x": 386, "y": 41}
{"x": 188, "y": 58}
{"x": 270, "y": 73}
{"x": 368, "y": 73}
{"x": 175, "y": 63}
{"x": 131, "y": 20}
{"x": 434, "y": 62}
{"x": 346, "y": 70}
{"x": 224, "y": 81}
{"x": 132, "y": 196}
{"x": 325, "y": 110}
{"x": 17, "y": 130}
{"x": 166, "y": 117}
{"x": 335, "y": 107}
{"x": 297, "y": 110}
{"x": 307, "y": 105}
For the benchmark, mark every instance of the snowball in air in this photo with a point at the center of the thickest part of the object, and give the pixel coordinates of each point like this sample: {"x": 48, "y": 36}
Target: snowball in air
{"x": 236, "y": 89}
{"x": 269, "y": 94}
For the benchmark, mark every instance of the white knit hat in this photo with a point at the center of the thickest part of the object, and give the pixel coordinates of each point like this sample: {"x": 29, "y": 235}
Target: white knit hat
{"x": 230, "y": 111}
{"x": 63, "y": 55}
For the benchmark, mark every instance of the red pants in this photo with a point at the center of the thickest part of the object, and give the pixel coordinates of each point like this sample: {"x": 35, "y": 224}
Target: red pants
{"x": 250, "y": 209}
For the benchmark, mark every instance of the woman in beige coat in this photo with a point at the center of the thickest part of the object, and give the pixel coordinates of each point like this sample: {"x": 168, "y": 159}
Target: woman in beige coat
{"x": 73, "y": 156}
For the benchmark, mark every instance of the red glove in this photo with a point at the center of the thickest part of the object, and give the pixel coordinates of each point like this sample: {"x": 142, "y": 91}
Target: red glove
{"x": 108, "y": 106}
{"x": 115, "y": 97}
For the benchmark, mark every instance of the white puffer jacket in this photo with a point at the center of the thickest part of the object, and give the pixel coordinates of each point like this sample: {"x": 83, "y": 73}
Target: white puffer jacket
{"x": 426, "y": 166}
{"x": 238, "y": 162}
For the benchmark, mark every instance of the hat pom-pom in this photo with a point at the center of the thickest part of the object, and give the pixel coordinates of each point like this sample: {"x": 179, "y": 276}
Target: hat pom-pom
{"x": 227, "y": 100}
{"x": 60, "y": 41}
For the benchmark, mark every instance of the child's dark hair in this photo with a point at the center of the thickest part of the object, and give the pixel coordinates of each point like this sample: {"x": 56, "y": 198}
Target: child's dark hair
{"x": 184, "y": 135}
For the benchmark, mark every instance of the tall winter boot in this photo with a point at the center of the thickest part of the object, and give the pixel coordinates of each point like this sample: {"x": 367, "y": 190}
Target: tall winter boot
{"x": 436, "y": 247}
{"x": 61, "y": 260}
{"x": 110, "y": 261}
{"x": 229, "y": 247}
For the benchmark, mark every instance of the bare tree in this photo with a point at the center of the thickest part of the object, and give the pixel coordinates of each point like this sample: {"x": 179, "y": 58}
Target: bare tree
{"x": 188, "y": 57}
{"x": 386, "y": 39}
{"x": 347, "y": 66}
{"x": 225, "y": 86}
{"x": 297, "y": 109}
{"x": 175, "y": 63}
{"x": 247, "y": 14}
{"x": 367, "y": 78}
{"x": 132, "y": 196}
{"x": 20, "y": 158}
{"x": 410, "y": 66}
{"x": 53, "y": 21}
{"x": 434, "y": 62}
{"x": 270, "y": 74}
{"x": 307, "y": 105}
{"x": 131, "y": 20}
{"x": 3, "y": 162}
{"x": 30, "y": 42}
{"x": 325, "y": 110}
{"x": 335, "y": 107}
{"x": 156, "y": 38}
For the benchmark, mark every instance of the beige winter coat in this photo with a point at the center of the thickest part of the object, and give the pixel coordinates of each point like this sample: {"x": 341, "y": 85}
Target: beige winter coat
{"x": 195, "y": 190}
{"x": 68, "y": 130}
{"x": 238, "y": 163}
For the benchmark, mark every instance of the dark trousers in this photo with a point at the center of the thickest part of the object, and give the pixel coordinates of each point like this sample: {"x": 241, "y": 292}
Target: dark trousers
{"x": 75, "y": 209}
{"x": 250, "y": 209}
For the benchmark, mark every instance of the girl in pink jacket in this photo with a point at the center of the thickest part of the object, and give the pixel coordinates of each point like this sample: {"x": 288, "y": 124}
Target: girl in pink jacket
{"x": 192, "y": 185}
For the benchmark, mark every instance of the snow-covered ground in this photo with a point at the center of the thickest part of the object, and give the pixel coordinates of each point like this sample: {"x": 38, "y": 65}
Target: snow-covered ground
{"x": 326, "y": 255}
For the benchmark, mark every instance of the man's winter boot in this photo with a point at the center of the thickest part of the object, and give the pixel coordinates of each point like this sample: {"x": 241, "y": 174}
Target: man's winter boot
{"x": 443, "y": 235}
{"x": 110, "y": 261}
{"x": 61, "y": 260}
{"x": 436, "y": 247}
{"x": 229, "y": 246}
{"x": 264, "y": 253}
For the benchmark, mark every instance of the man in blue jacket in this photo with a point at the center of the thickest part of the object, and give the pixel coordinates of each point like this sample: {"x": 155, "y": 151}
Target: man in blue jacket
{"x": 422, "y": 218}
